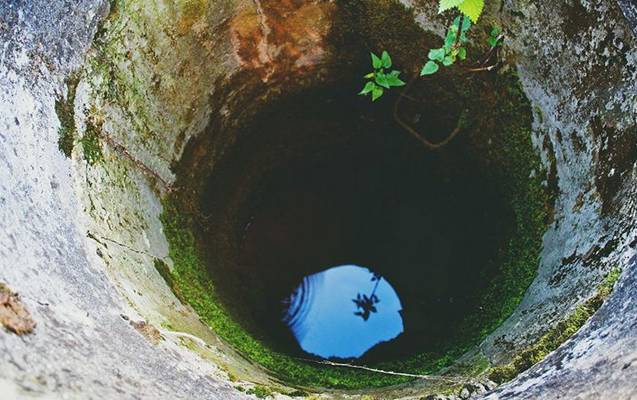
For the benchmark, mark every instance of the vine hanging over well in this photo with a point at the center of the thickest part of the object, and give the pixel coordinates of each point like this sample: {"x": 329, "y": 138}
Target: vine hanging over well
{"x": 452, "y": 50}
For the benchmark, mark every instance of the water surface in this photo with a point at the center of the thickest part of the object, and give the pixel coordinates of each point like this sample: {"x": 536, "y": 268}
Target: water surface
{"x": 343, "y": 312}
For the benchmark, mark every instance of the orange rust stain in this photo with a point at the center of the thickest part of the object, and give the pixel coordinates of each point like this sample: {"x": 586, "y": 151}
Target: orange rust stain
{"x": 191, "y": 12}
{"x": 281, "y": 38}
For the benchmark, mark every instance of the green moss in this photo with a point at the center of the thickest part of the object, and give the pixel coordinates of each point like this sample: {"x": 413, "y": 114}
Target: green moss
{"x": 261, "y": 392}
{"x": 190, "y": 277}
{"x": 65, "y": 110}
{"x": 109, "y": 79}
{"x": 472, "y": 367}
{"x": 232, "y": 377}
{"x": 298, "y": 393}
{"x": 501, "y": 140}
{"x": 164, "y": 271}
{"x": 90, "y": 142}
{"x": 556, "y": 336}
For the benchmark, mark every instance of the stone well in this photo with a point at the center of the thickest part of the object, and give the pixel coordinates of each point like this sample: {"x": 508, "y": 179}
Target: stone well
{"x": 113, "y": 116}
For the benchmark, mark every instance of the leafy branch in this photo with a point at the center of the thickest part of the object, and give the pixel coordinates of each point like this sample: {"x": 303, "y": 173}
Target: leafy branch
{"x": 379, "y": 79}
{"x": 452, "y": 49}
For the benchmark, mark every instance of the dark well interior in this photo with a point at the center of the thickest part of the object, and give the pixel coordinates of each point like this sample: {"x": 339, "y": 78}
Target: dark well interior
{"x": 325, "y": 178}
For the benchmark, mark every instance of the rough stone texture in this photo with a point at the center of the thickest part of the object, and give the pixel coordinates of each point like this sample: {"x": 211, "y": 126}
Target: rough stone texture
{"x": 577, "y": 63}
{"x": 629, "y": 8}
{"x": 81, "y": 348}
{"x": 599, "y": 362}
{"x": 586, "y": 129}
{"x": 585, "y": 104}
{"x": 576, "y": 59}
{"x": 150, "y": 86}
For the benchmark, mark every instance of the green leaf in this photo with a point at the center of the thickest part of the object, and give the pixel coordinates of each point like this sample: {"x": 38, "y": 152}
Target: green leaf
{"x": 381, "y": 79}
{"x": 437, "y": 54}
{"x": 494, "y": 36}
{"x": 376, "y": 62}
{"x": 450, "y": 59}
{"x": 377, "y": 92}
{"x": 448, "y": 4}
{"x": 369, "y": 86}
{"x": 430, "y": 68}
{"x": 450, "y": 39}
{"x": 386, "y": 59}
{"x": 393, "y": 79}
{"x": 466, "y": 24}
{"x": 462, "y": 53}
{"x": 369, "y": 76}
{"x": 472, "y": 9}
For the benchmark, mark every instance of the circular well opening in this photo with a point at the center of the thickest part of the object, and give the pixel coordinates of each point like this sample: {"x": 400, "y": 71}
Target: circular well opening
{"x": 292, "y": 187}
{"x": 322, "y": 180}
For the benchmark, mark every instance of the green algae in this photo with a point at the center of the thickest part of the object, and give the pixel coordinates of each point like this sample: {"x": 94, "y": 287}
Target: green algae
{"x": 68, "y": 135}
{"x": 262, "y": 392}
{"x": 164, "y": 272}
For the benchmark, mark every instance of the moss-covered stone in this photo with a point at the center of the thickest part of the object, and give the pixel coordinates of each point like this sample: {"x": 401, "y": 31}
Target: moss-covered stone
{"x": 495, "y": 101}
{"x": 90, "y": 142}
{"x": 261, "y": 392}
{"x": 556, "y": 336}
{"x": 65, "y": 111}
{"x": 164, "y": 271}
{"x": 191, "y": 277}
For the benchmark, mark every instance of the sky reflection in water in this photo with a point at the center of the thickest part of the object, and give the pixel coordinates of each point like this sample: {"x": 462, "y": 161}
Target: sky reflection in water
{"x": 343, "y": 312}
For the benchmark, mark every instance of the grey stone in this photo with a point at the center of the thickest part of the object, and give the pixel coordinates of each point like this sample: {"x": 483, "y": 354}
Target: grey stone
{"x": 475, "y": 389}
{"x": 489, "y": 384}
{"x": 629, "y": 8}
{"x": 435, "y": 397}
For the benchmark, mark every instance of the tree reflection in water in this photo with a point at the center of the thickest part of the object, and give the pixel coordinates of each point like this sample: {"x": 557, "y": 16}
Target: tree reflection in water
{"x": 319, "y": 312}
{"x": 367, "y": 304}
